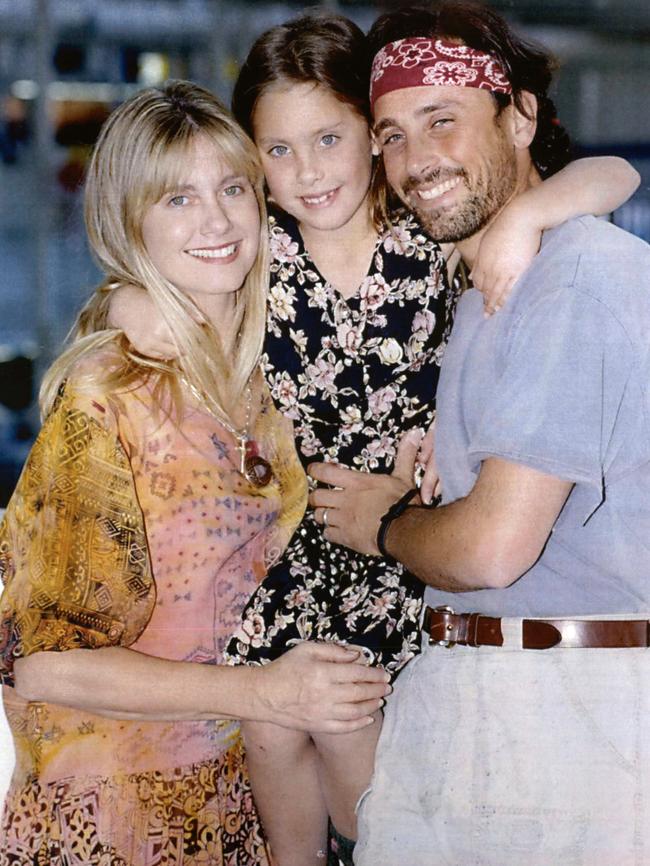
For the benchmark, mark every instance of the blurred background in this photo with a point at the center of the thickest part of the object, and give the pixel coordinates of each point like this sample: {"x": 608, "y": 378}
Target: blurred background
{"x": 65, "y": 63}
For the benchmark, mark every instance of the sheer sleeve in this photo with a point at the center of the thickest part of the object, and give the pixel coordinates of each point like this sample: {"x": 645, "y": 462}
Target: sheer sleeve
{"x": 73, "y": 552}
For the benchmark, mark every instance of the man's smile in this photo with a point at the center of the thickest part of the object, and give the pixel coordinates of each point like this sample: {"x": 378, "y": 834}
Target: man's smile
{"x": 430, "y": 193}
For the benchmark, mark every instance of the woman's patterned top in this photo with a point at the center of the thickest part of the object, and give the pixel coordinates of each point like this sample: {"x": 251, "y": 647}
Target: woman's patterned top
{"x": 353, "y": 374}
{"x": 129, "y": 529}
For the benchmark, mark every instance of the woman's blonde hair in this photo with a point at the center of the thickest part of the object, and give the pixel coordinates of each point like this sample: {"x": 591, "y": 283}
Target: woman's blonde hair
{"x": 139, "y": 157}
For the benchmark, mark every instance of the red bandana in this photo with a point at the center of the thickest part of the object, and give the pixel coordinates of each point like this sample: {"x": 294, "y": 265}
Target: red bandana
{"x": 422, "y": 62}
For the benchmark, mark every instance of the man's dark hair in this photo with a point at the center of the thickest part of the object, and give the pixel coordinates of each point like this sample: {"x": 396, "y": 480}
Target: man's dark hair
{"x": 527, "y": 66}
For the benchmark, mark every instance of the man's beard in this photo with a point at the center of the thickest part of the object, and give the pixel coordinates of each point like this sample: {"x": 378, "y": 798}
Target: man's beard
{"x": 463, "y": 219}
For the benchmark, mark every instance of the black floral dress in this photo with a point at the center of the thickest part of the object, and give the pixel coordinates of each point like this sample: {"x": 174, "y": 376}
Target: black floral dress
{"x": 353, "y": 375}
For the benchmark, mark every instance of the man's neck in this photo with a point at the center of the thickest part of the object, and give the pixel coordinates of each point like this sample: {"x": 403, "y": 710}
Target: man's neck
{"x": 468, "y": 247}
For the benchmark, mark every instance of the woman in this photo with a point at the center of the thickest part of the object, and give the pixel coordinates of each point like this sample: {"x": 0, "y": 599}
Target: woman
{"x": 151, "y": 505}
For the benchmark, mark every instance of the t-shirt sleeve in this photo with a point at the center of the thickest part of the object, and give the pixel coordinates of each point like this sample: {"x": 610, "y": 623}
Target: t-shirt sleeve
{"x": 73, "y": 553}
{"x": 561, "y": 391}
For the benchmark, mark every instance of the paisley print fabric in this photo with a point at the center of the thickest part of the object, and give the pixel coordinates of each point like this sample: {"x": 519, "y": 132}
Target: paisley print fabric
{"x": 352, "y": 375}
{"x": 129, "y": 529}
{"x": 200, "y": 814}
{"x": 76, "y": 495}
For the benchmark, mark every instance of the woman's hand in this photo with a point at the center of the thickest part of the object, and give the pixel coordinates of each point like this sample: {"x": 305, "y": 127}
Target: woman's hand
{"x": 320, "y": 687}
{"x": 313, "y": 687}
{"x": 131, "y": 310}
{"x": 507, "y": 248}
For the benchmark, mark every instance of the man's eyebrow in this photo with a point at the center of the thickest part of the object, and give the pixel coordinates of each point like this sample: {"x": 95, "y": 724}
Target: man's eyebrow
{"x": 436, "y": 106}
{"x": 384, "y": 124}
{"x": 423, "y": 110}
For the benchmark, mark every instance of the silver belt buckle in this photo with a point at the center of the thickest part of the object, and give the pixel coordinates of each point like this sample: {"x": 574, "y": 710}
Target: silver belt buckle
{"x": 443, "y": 608}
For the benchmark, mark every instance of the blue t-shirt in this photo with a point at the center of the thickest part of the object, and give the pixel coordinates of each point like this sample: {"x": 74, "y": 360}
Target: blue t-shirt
{"x": 559, "y": 381}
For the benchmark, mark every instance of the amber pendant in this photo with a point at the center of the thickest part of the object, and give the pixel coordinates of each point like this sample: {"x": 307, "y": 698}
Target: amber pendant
{"x": 256, "y": 469}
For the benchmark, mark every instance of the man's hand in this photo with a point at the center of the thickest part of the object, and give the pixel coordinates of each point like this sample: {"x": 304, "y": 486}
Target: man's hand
{"x": 320, "y": 687}
{"x": 430, "y": 485}
{"x": 352, "y": 511}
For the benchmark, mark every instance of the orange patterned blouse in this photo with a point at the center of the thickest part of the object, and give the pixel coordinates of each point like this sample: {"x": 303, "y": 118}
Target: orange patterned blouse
{"x": 127, "y": 529}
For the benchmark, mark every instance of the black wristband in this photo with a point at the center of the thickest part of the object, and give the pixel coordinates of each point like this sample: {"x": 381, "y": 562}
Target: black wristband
{"x": 394, "y": 511}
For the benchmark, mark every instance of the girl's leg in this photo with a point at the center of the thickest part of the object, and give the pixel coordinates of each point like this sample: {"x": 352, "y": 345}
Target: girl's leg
{"x": 283, "y": 767}
{"x": 346, "y": 765}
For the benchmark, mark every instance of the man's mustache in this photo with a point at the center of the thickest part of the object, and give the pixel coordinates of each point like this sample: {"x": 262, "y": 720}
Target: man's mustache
{"x": 434, "y": 176}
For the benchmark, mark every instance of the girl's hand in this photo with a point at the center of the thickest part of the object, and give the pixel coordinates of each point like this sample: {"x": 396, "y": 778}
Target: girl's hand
{"x": 506, "y": 250}
{"x": 430, "y": 485}
{"x": 594, "y": 185}
{"x": 132, "y": 311}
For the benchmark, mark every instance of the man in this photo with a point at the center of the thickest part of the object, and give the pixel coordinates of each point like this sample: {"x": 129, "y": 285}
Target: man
{"x": 525, "y": 737}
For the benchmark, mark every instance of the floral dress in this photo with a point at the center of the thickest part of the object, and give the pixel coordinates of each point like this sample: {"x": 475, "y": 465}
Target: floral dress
{"x": 129, "y": 530}
{"x": 353, "y": 375}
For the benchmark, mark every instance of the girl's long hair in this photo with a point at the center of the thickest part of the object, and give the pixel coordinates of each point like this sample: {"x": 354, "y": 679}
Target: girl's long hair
{"x": 139, "y": 156}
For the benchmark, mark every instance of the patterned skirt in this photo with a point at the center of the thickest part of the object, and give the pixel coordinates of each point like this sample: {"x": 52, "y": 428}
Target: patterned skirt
{"x": 198, "y": 815}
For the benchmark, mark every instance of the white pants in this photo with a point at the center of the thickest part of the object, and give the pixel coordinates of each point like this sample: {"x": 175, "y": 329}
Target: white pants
{"x": 509, "y": 757}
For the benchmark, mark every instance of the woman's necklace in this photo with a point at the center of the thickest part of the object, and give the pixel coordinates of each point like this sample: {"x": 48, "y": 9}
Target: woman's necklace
{"x": 254, "y": 468}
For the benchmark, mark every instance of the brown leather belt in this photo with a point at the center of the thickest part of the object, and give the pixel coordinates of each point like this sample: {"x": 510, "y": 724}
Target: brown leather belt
{"x": 447, "y": 628}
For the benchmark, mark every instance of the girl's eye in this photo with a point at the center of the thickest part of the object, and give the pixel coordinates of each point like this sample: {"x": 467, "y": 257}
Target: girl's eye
{"x": 279, "y": 150}
{"x": 233, "y": 190}
{"x": 178, "y": 200}
{"x": 329, "y": 139}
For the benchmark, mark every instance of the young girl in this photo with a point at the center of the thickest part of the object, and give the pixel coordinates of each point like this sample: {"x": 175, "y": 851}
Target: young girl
{"x": 359, "y": 313}
{"x": 150, "y": 506}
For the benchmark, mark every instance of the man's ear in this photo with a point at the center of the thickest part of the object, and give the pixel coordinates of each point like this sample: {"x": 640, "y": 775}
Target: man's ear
{"x": 524, "y": 122}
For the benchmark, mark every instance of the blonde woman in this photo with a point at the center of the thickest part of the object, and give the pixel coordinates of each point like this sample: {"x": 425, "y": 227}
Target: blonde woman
{"x": 151, "y": 505}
